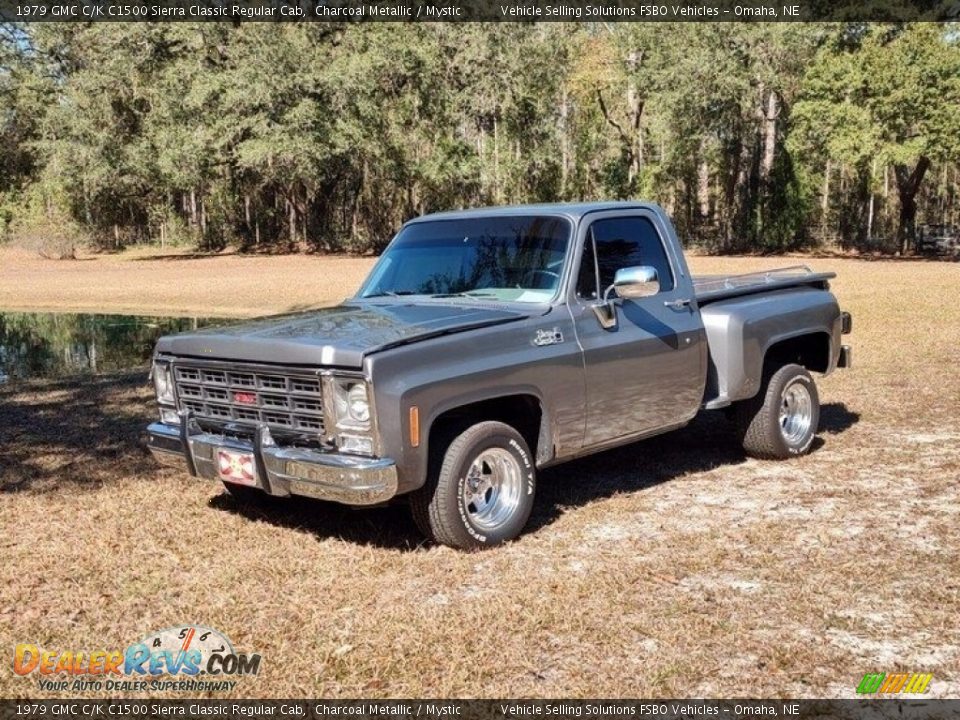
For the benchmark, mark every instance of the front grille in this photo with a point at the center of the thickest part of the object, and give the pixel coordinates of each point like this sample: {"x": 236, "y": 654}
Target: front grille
{"x": 283, "y": 400}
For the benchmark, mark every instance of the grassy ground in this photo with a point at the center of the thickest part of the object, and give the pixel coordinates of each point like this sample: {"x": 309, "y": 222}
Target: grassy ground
{"x": 675, "y": 567}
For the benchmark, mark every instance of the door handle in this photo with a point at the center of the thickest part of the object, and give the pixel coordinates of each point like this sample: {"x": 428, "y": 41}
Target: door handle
{"x": 677, "y": 304}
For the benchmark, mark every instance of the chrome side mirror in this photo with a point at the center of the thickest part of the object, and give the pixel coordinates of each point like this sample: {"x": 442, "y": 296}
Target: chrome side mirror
{"x": 636, "y": 282}
{"x": 630, "y": 283}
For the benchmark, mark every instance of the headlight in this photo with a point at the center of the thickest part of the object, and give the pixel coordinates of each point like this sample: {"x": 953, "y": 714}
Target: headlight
{"x": 357, "y": 403}
{"x": 352, "y": 403}
{"x": 163, "y": 383}
{"x": 352, "y": 426}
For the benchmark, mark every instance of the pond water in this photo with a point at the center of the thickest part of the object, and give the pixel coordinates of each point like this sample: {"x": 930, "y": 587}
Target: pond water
{"x": 60, "y": 344}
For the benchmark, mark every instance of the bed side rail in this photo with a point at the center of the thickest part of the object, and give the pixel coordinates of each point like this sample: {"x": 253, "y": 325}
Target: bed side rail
{"x": 714, "y": 287}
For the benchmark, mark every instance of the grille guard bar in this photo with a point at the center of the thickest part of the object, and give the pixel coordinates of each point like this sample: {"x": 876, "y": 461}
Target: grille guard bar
{"x": 281, "y": 471}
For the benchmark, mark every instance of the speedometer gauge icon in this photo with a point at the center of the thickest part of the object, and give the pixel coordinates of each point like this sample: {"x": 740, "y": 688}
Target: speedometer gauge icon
{"x": 181, "y": 639}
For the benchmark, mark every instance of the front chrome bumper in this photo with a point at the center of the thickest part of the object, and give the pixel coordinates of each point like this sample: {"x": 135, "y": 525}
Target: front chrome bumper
{"x": 280, "y": 471}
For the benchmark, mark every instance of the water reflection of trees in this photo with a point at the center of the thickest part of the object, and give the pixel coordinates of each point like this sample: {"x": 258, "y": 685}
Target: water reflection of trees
{"x": 53, "y": 344}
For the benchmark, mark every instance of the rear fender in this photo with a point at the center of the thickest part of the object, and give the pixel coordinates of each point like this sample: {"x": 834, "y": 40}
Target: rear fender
{"x": 742, "y": 332}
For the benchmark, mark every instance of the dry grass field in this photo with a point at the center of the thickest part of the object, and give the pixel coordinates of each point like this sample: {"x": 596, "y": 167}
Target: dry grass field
{"x": 177, "y": 283}
{"x": 675, "y": 567}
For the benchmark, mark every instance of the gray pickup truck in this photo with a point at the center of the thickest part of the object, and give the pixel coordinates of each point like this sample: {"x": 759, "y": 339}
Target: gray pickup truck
{"x": 485, "y": 345}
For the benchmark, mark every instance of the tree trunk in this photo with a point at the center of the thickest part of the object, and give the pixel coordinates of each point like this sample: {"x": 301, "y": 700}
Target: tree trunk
{"x": 563, "y": 121}
{"x": 943, "y": 192}
{"x": 635, "y": 107}
{"x": 203, "y": 222}
{"x": 193, "y": 209}
{"x": 731, "y": 195}
{"x": 496, "y": 161}
{"x": 908, "y": 184}
{"x": 481, "y": 165}
{"x": 292, "y": 216}
{"x": 770, "y": 116}
{"x": 703, "y": 189}
{"x": 631, "y": 135}
{"x": 825, "y": 199}
{"x": 358, "y": 193}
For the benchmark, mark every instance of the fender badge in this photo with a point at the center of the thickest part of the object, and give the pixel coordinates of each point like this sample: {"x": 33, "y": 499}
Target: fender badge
{"x": 548, "y": 337}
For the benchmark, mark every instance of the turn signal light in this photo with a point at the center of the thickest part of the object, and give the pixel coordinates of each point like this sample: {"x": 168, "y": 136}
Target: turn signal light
{"x": 414, "y": 426}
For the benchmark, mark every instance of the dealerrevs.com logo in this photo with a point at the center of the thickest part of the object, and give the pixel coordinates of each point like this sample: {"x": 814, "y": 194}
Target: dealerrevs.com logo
{"x": 894, "y": 683}
{"x": 190, "y": 658}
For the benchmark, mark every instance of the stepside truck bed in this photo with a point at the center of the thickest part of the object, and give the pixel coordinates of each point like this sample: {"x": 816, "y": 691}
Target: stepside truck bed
{"x": 788, "y": 314}
{"x": 720, "y": 287}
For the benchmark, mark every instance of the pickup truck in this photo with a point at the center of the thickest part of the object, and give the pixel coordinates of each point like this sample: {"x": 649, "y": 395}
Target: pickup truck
{"x": 486, "y": 345}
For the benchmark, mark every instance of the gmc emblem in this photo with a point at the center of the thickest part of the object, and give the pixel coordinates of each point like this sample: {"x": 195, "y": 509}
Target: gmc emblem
{"x": 245, "y": 398}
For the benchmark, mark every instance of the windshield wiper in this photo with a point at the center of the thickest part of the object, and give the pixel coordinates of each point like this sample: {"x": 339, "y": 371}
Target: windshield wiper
{"x": 390, "y": 293}
{"x": 469, "y": 293}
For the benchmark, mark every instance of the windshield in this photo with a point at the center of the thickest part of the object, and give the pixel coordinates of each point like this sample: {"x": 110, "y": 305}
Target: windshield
{"x": 509, "y": 258}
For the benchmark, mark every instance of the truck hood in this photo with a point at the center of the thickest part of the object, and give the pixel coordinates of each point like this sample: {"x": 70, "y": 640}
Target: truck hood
{"x": 339, "y": 336}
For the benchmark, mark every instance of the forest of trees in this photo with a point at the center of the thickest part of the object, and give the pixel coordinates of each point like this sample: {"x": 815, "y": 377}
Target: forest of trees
{"x": 325, "y": 136}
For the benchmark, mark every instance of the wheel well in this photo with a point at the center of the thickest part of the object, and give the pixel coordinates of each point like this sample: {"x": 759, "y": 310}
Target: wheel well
{"x": 521, "y": 412}
{"x": 812, "y": 351}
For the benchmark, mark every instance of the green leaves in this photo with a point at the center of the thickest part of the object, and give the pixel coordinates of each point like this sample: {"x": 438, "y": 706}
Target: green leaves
{"x": 330, "y": 135}
{"x": 887, "y": 94}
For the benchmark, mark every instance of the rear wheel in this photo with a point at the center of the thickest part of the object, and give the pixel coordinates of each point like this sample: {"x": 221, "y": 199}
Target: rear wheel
{"x": 480, "y": 490}
{"x": 781, "y": 421}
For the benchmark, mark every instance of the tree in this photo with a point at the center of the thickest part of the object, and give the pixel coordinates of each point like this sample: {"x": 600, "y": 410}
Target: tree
{"x": 327, "y": 136}
{"x": 886, "y": 92}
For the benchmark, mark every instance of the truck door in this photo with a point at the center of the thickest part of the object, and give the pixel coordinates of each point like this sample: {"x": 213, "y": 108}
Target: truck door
{"x": 648, "y": 371}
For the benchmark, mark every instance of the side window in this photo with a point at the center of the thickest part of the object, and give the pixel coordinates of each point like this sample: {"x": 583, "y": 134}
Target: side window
{"x": 626, "y": 242}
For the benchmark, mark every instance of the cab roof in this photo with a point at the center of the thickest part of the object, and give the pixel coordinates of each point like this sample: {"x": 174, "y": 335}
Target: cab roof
{"x": 573, "y": 211}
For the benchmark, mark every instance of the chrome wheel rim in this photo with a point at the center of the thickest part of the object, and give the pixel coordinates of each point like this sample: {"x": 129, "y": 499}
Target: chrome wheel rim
{"x": 491, "y": 489}
{"x": 796, "y": 413}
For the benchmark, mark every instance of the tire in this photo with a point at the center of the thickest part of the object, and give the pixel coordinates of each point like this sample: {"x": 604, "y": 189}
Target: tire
{"x": 480, "y": 488}
{"x": 781, "y": 421}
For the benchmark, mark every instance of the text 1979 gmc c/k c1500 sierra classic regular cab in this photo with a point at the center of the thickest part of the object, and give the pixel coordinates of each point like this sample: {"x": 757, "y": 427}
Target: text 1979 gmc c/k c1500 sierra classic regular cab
{"x": 487, "y": 344}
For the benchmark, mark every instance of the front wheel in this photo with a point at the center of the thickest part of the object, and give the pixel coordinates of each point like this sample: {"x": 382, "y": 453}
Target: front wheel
{"x": 480, "y": 490}
{"x": 781, "y": 421}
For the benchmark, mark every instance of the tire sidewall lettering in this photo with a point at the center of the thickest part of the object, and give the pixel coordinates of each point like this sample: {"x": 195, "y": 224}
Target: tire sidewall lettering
{"x": 521, "y": 452}
{"x": 528, "y": 482}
